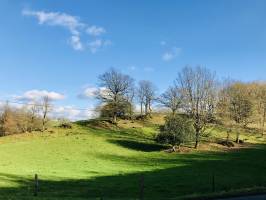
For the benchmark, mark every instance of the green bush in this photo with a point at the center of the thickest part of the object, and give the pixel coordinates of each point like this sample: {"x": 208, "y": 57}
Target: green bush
{"x": 176, "y": 131}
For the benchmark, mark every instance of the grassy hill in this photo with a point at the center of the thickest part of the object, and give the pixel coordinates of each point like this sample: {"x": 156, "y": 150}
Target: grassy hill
{"x": 95, "y": 159}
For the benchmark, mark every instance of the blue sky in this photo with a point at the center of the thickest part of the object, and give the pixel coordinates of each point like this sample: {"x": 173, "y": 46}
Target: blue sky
{"x": 63, "y": 46}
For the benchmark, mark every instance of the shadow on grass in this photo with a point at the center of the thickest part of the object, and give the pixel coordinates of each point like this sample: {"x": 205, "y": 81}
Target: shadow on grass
{"x": 176, "y": 176}
{"x": 105, "y": 128}
{"x": 139, "y": 146}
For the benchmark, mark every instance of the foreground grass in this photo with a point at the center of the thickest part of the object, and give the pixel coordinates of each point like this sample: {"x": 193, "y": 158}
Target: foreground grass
{"x": 89, "y": 162}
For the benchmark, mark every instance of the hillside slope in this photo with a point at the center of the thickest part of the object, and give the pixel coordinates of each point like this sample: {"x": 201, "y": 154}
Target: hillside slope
{"x": 95, "y": 159}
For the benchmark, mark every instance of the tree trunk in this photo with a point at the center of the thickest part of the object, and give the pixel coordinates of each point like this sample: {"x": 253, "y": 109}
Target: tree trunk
{"x": 43, "y": 125}
{"x": 197, "y": 138}
{"x": 146, "y": 108}
{"x": 131, "y": 112}
{"x": 228, "y": 136}
{"x": 115, "y": 118}
{"x": 173, "y": 112}
{"x": 141, "y": 108}
{"x": 150, "y": 109}
{"x": 263, "y": 122}
{"x": 174, "y": 148}
{"x": 237, "y": 137}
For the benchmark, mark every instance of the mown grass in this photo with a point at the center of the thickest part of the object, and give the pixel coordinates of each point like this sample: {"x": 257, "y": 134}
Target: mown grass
{"x": 90, "y": 161}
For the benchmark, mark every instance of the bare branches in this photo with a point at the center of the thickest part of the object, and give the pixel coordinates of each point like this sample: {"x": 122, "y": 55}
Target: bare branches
{"x": 146, "y": 94}
{"x": 46, "y": 107}
{"x": 197, "y": 87}
{"x": 118, "y": 86}
{"x": 171, "y": 98}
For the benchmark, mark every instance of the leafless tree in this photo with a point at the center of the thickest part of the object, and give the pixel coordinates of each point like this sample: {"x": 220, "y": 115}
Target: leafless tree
{"x": 197, "y": 86}
{"x": 46, "y": 108}
{"x": 171, "y": 99}
{"x": 117, "y": 86}
{"x": 146, "y": 93}
{"x": 258, "y": 95}
{"x": 130, "y": 99}
{"x": 141, "y": 97}
{"x": 34, "y": 109}
{"x": 239, "y": 104}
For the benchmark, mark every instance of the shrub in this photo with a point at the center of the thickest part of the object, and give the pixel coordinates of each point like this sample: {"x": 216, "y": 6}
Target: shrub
{"x": 64, "y": 123}
{"x": 176, "y": 130}
{"x": 18, "y": 120}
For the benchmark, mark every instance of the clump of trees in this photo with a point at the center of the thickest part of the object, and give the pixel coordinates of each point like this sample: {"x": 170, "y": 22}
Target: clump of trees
{"x": 196, "y": 93}
{"x": 114, "y": 97}
{"x": 31, "y": 117}
{"x": 195, "y": 99}
{"x": 146, "y": 94}
{"x": 14, "y": 120}
{"x": 120, "y": 93}
{"x": 241, "y": 104}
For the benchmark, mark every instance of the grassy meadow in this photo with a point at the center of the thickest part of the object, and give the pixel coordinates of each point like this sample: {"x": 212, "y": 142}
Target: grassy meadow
{"x": 95, "y": 160}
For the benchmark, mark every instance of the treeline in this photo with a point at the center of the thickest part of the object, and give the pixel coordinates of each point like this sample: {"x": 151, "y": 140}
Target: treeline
{"x": 195, "y": 99}
{"x": 196, "y": 93}
{"x": 31, "y": 117}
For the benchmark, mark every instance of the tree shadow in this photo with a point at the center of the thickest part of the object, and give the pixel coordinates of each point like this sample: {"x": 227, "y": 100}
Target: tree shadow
{"x": 176, "y": 177}
{"x": 112, "y": 132}
{"x": 138, "y": 146}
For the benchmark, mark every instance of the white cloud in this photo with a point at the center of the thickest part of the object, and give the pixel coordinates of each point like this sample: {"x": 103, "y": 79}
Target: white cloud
{"x": 76, "y": 43}
{"x": 88, "y": 93}
{"x": 71, "y": 23}
{"x": 167, "y": 56}
{"x": 74, "y": 25}
{"x": 98, "y": 44}
{"x": 170, "y": 55}
{"x": 91, "y": 92}
{"x": 35, "y": 95}
{"x": 95, "y": 30}
{"x": 72, "y": 113}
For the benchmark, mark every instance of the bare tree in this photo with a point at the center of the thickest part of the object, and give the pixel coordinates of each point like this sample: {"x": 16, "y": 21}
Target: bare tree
{"x": 146, "y": 95}
{"x": 141, "y": 97}
{"x": 197, "y": 86}
{"x": 33, "y": 112}
{"x": 130, "y": 99}
{"x": 8, "y": 121}
{"x": 236, "y": 104}
{"x": 117, "y": 86}
{"x": 171, "y": 99}
{"x": 46, "y": 108}
{"x": 258, "y": 95}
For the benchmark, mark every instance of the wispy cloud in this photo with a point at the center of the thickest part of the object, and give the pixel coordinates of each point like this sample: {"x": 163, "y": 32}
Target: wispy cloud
{"x": 72, "y": 113}
{"x": 71, "y": 23}
{"x": 76, "y": 43}
{"x": 171, "y": 54}
{"x": 91, "y": 92}
{"x": 98, "y": 44}
{"x": 95, "y": 30}
{"x": 35, "y": 95}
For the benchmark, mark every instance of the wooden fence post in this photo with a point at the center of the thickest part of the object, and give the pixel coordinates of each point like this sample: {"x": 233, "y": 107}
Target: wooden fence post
{"x": 36, "y": 185}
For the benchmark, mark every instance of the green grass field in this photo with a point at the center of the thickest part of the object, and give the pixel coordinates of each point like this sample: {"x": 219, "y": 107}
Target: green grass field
{"x": 87, "y": 162}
